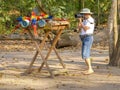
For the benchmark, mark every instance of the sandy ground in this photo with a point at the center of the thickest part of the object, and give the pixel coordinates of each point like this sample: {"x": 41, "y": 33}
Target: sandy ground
{"x": 15, "y": 60}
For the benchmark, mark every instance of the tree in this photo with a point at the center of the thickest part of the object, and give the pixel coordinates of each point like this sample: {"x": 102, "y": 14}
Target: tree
{"x": 115, "y": 49}
{"x": 10, "y": 10}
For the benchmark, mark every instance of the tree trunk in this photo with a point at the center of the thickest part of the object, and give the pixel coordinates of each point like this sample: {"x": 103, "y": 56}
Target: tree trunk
{"x": 98, "y": 13}
{"x": 115, "y": 28}
{"x": 110, "y": 30}
{"x": 115, "y": 57}
{"x": 118, "y": 11}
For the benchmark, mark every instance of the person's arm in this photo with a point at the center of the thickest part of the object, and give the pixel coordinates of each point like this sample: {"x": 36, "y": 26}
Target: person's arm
{"x": 80, "y": 25}
{"x": 85, "y": 28}
{"x": 80, "y": 22}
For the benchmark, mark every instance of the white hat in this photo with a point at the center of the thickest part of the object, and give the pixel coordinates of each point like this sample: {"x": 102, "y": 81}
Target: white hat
{"x": 86, "y": 10}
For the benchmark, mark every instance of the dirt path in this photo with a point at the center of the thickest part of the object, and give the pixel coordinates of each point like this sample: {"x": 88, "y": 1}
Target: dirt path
{"x": 13, "y": 63}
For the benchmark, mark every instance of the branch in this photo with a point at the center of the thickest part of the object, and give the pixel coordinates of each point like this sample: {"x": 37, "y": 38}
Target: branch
{"x": 40, "y": 6}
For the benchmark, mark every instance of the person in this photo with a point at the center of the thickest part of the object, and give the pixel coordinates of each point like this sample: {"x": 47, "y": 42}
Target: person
{"x": 86, "y": 27}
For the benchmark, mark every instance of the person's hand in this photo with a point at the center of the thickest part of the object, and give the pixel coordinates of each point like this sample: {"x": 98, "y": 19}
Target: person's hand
{"x": 80, "y": 20}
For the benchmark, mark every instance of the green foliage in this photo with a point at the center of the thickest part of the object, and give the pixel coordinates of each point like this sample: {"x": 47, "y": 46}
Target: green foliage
{"x": 104, "y": 7}
{"x": 11, "y": 9}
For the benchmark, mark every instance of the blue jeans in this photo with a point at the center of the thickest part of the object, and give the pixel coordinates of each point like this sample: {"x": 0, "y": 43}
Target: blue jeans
{"x": 86, "y": 46}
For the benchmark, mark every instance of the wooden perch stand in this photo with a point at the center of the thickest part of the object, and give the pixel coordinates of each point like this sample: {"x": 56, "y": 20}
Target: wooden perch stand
{"x": 57, "y": 26}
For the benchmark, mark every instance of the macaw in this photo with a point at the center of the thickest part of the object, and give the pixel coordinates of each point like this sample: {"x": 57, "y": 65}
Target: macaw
{"x": 34, "y": 23}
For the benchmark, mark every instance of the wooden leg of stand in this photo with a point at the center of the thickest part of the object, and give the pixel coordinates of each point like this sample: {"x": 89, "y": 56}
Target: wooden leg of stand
{"x": 43, "y": 41}
{"x": 60, "y": 59}
{"x": 31, "y": 64}
{"x": 53, "y": 45}
{"x": 39, "y": 50}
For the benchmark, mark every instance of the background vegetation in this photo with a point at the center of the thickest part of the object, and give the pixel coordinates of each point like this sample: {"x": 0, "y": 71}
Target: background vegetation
{"x": 11, "y": 9}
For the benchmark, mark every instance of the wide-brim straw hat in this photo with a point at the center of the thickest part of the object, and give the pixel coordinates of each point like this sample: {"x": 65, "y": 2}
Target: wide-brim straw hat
{"x": 86, "y": 11}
